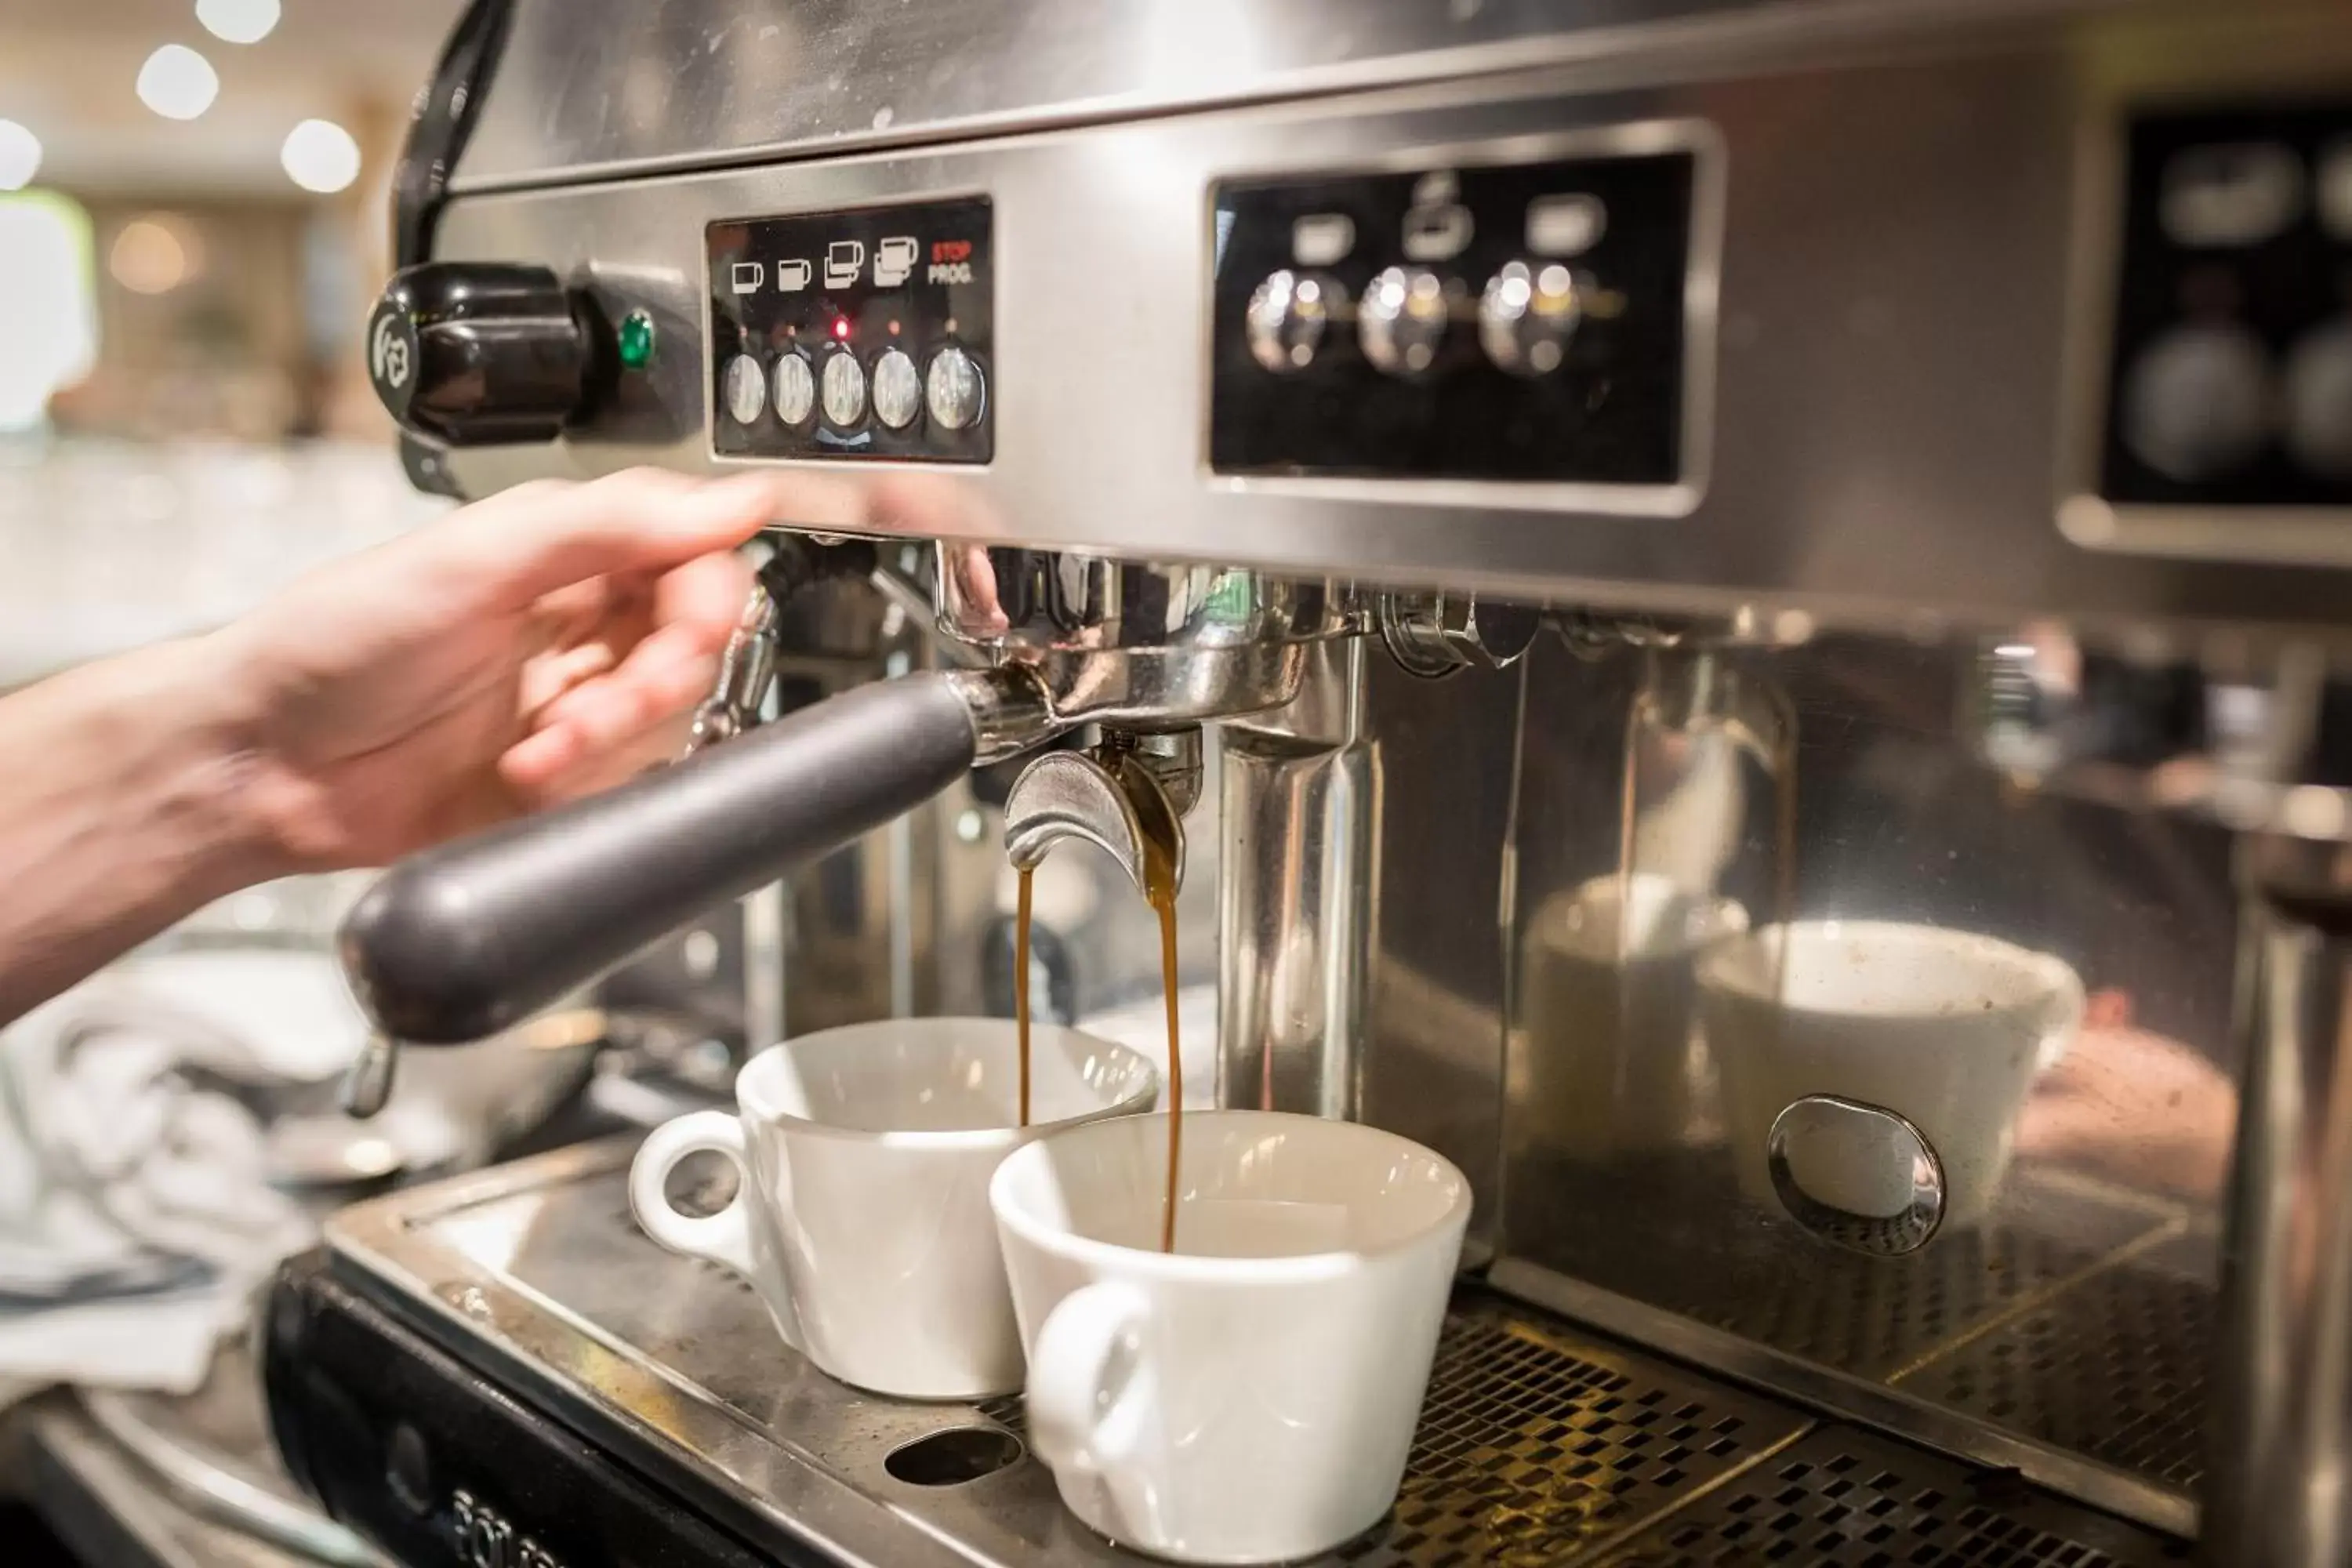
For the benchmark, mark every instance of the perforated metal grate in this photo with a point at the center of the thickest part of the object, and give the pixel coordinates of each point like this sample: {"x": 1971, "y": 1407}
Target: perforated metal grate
{"x": 2113, "y": 1367}
{"x": 1531, "y": 1451}
{"x": 1539, "y": 1443}
{"x": 1841, "y": 1498}
{"x": 1661, "y": 1231}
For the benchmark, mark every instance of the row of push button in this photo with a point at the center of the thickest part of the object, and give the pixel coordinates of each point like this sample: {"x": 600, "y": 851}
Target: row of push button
{"x": 951, "y": 388}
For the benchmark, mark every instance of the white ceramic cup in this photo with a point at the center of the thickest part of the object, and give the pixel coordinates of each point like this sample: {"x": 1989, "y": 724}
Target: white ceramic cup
{"x": 1252, "y": 1396}
{"x": 1944, "y": 1028}
{"x": 1608, "y": 1061}
{"x": 862, "y": 1214}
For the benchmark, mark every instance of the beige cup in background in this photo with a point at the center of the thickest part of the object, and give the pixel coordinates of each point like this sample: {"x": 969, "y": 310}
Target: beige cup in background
{"x": 1252, "y": 1396}
{"x": 862, "y": 1216}
{"x": 1607, "y": 1061}
{"x": 1946, "y": 1028}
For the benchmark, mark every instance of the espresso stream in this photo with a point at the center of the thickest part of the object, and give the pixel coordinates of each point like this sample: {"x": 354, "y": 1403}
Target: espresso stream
{"x": 1021, "y": 983}
{"x": 1159, "y": 889}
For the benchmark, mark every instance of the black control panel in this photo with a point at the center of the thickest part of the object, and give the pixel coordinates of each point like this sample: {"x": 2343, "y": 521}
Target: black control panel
{"x": 855, "y": 334}
{"x": 2229, "y": 379}
{"x": 1519, "y": 322}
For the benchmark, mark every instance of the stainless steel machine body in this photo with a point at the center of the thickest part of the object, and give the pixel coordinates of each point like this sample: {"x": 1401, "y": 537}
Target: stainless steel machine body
{"x": 1926, "y": 553}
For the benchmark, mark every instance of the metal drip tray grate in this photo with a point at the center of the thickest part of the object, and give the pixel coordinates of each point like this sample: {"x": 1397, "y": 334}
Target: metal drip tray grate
{"x": 1539, "y": 1443}
{"x": 1662, "y": 1231}
{"x": 1529, "y": 1450}
{"x": 1842, "y": 1499}
{"x": 2113, "y": 1366}
{"x": 2075, "y": 1318}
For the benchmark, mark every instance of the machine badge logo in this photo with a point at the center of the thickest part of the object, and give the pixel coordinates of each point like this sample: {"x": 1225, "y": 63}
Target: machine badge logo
{"x": 388, "y": 353}
{"x": 843, "y": 259}
{"x": 894, "y": 260}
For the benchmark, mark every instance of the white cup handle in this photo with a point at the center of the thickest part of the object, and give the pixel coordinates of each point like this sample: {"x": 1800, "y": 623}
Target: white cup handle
{"x": 1078, "y": 1419}
{"x": 723, "y": 1237}
{"x": 2062, "y": 1018}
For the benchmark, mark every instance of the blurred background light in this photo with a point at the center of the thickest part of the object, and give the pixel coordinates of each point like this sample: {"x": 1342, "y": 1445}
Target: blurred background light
{"x": 320, "y": 155}
{"x": 178, "y": 83}
{"x": 20, "y": 156}
{"x": 155, "y": 255}
{"x": 238, "y": 21}
{"x": 49, "y": 309}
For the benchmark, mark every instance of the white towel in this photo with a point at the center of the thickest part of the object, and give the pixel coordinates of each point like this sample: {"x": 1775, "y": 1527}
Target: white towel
{"x": 136, "y": 1214}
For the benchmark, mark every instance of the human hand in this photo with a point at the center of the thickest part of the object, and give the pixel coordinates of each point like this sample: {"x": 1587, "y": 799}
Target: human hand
{"x": 535, "y": 647}
{"x": 2136, "y": 1107}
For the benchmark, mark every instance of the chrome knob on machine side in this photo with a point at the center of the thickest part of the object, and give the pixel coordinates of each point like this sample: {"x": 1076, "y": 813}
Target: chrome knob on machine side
{"x": 1527, "y": 315}
{"x": 1287, "y": 316}
{"x": 1401, "y": 323}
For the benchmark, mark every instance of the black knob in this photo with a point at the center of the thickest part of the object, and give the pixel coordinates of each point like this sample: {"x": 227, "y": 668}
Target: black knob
{"x": 478, "y": 354}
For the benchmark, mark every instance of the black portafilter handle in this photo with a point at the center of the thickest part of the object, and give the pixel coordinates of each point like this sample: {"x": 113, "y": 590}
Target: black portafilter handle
{"x": 462, "y": 942}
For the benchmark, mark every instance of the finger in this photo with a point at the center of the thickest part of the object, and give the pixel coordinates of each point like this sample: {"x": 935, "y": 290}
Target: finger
{"x": 659, "y": 681}
{"x": 552, "y": 675}
{"x": 702, "y": 600}
{"x": 660, "y": 743}
{"x": 645, "y": 520}
{"x": 671, "y": 654}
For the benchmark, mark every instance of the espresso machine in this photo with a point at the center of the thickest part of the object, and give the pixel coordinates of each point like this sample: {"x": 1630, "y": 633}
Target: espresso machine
{"x": 1735, "y": 611}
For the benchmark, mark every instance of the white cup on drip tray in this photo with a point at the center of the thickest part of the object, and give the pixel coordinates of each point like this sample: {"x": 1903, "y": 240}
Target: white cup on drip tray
{"x": 1251, "y": 1396}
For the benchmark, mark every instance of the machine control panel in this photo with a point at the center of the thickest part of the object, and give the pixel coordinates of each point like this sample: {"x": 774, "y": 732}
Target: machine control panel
{"x": 853, "y": 335}
{"x": 1508, "y": 323}
{"x": 2229, "y": 371}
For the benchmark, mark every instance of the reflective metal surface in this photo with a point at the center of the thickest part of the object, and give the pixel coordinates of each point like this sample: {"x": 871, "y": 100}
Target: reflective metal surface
{"x": 1538, "y": 1442}
{"x": 1112, "y": 799}
{"x": 709, "y": 82}
{"x": 1885, "y": 429}
{"x": 2281, "y": 1436}
{"x": 1298, "y": 880}
{"x": 1708, "y": 790}
{"x": 1834, "y": 1126}
{"x": 746, "y": 667}
{"x": 1131, "y": 643}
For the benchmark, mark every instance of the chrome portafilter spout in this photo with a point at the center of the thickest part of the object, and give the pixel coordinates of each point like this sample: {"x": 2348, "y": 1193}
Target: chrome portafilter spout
{"x": 1126, "y": 796}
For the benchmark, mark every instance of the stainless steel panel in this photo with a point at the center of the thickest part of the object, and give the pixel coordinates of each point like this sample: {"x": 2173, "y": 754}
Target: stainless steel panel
{"x": 600, "y": 86}
{"x": 2282, "y": 1422}
{"x": 2067, "y": 1332}
{"x": 1893, "y": 302}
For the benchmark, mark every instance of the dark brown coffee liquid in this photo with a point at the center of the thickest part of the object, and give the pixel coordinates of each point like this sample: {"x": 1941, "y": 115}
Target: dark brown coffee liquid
{"x": 1021, "y": 983}
{"x": 1159, "y": 887}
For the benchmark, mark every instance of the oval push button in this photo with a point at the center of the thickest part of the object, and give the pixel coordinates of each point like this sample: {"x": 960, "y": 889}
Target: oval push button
{"x": 898, "y": 389}
{"x": 746, "y": 389}
{"x": 795, "y": 389}
{"x": 954, "y": 389}
{"x": 844, "y": 390}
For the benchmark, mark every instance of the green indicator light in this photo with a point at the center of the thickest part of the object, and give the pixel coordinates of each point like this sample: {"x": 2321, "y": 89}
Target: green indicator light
{"x": 636, "y": 340}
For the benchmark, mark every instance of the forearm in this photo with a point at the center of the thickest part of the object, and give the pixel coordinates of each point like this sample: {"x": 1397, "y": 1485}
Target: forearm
{"x": 129, "y": 796}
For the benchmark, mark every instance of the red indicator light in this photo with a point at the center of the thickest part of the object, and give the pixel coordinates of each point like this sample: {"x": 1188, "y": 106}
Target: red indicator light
{"x": 894, "y": 329}
{"x": 841, "y": 328}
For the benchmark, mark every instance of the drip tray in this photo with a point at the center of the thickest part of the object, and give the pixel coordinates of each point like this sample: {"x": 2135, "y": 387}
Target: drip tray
{"x": 1539, "y": 1442}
